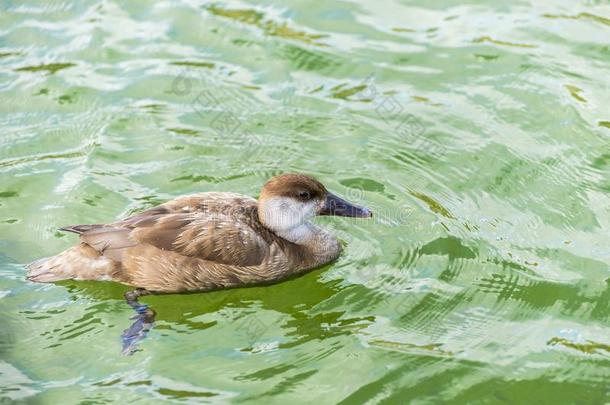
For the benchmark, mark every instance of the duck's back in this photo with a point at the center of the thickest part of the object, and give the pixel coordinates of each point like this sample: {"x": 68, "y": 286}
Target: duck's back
{"x": 198, "y": 242}
{"x": 220, "y": 227}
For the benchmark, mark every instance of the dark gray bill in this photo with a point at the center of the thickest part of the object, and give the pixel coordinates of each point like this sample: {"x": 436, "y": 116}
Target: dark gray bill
{"x": 338, "y": 206}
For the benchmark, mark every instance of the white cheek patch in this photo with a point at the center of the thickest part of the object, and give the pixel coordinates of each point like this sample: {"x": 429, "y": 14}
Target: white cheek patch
{"x": 289, "y": 217}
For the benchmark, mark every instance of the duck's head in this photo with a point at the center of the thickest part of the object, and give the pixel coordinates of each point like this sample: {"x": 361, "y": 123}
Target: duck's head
{"x": 289, "y": 201}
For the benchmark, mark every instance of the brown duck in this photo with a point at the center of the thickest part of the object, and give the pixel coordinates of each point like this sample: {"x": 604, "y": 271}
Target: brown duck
{"x": 208, "y": 241}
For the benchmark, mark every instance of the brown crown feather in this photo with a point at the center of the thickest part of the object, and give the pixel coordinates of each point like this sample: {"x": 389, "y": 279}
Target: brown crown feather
{"x": 289, "y": 184}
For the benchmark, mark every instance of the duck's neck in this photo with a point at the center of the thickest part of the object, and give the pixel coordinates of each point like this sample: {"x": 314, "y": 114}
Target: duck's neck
{"x": 320, "y": 245}
{"x": 302, "y": 234}
{"x": 316, "y": 245}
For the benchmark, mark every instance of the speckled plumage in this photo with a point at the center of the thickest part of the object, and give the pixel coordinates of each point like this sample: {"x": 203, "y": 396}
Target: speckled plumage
{"x": 201, "y": 242}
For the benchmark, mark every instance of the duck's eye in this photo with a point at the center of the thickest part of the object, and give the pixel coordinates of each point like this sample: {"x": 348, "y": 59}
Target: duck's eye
{"x": 304, "y": 195}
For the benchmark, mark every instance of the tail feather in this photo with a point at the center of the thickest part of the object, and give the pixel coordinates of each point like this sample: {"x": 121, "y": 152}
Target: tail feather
{"x": 80, "y": 262}
{"x": 44, "y": 271}
{"x": 79, "y": 229}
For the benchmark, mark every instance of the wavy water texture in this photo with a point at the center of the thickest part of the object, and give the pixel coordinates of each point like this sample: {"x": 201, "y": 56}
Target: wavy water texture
{"x": 478, "y": 132}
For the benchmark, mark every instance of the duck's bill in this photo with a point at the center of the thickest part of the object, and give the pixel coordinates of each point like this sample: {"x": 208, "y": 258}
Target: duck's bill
{"x": 337, "y": 206}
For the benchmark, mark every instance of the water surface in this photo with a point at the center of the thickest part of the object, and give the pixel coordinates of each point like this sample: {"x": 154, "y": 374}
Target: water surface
{"x": 477, "y": 131}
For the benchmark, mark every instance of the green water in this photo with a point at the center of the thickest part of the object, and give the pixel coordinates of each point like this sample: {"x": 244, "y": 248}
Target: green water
{"x": 477, "y": 131}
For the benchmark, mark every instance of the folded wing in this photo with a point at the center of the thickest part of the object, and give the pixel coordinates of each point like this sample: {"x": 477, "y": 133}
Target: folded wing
{"x": 217, "y": 227}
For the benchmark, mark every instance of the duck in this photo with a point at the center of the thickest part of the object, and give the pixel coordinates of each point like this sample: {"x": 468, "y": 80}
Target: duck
{"x": 208, "y": 241}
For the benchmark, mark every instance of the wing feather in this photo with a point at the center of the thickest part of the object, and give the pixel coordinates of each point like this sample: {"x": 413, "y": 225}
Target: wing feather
{"x": 217, "y": 227}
